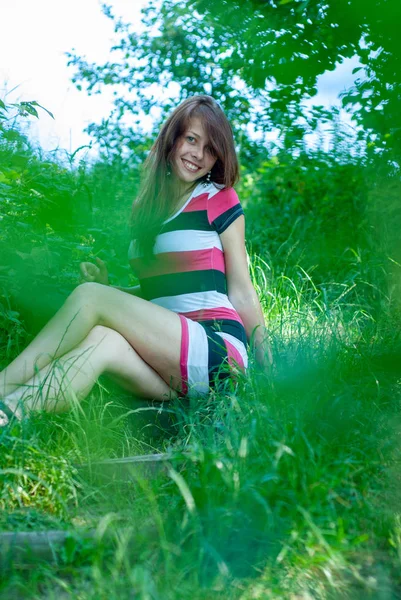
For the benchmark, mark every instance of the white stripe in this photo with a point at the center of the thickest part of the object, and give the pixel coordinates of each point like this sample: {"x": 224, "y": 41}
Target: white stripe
{"x": 184, "y": 303}
{"x": 198, "y": 360}
{"x": 180, "y": 241}
{"x": 176, "y": 241}
{"x": 212, "y": 189}
{"x": 238, "y": 345}
{"x": 188, "y": 239}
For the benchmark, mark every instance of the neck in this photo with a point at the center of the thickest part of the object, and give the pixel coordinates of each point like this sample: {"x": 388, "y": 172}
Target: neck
{"x": 183, "y": 189}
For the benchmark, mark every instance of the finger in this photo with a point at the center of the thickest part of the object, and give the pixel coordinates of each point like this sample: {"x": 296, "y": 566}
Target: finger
{"x": 102, "y": 266}
{"x": 85, "y": 267}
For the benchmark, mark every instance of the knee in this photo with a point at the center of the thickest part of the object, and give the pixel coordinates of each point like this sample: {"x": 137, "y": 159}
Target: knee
{"x": 89, "y": 289}
{"x": 85, "y": 293}
{"x": 112, "y": 345}
{"x": 113, "y": 340}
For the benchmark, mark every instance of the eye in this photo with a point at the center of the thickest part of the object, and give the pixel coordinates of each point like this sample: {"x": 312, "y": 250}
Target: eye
{"x": 190, "y": 139}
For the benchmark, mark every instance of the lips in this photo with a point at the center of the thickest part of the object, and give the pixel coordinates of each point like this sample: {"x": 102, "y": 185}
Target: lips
{"x": 190, "y": 166}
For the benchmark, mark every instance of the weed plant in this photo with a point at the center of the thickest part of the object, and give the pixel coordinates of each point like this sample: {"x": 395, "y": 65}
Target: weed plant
{"x": 285, "y": 485}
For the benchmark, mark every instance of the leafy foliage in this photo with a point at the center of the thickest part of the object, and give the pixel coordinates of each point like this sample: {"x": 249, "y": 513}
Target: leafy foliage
{"x": 175, "y": 55}
{"x": 288, "y": 44}
{"x": 286, "y": 486}
{"x": 260, "y": 67}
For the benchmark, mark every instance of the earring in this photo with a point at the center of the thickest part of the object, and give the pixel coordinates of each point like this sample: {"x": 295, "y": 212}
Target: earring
{"x": 208, "y": 179}
{"x": 168, "y": 172}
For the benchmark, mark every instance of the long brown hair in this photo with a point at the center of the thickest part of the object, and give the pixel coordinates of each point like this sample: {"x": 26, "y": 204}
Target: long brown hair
{"x": 157, "y": 195}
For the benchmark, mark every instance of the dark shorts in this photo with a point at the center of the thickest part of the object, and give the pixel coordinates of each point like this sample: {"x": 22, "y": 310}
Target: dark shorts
{"x": 211, "y": 351}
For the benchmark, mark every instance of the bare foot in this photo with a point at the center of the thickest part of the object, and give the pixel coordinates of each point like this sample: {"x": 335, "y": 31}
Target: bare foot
{"x": 6, "y": 415}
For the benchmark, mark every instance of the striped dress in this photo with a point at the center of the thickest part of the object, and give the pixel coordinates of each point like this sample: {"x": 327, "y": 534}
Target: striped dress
{"x": 187, "y": 276}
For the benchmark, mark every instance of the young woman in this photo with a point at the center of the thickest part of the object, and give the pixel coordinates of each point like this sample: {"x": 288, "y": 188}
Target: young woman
{"x": 189, "y": 320}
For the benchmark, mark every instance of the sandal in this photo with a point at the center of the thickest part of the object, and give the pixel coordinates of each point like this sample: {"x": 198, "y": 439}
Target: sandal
{"x": 6, "y": 416}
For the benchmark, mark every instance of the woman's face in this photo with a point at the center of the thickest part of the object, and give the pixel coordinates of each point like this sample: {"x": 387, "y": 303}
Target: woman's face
{"x": 193, "y": 158}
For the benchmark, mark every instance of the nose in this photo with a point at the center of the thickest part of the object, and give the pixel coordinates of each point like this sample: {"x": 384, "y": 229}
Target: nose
{"x": 197, "y": 151}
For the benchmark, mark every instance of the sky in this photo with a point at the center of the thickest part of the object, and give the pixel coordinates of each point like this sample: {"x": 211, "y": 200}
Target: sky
{"x": 34, "y": 36}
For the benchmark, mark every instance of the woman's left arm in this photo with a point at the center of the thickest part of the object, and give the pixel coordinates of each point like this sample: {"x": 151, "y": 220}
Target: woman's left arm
{"x": 241, "y": 292}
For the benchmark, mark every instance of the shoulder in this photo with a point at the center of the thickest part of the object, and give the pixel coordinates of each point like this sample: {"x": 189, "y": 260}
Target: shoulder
{"x": 224, "y": 208}
{"x": 220, "y": 200}
{"x": 227, "y": 195}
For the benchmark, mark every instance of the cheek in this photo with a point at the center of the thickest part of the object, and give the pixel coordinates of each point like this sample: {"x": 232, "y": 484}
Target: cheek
{"x": 181, "y": 147}
{"x": 211, "y": 163}
{"x": 180, "y": 151}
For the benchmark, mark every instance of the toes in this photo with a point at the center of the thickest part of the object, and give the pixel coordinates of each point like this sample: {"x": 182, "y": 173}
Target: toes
{"x": 3, "y": 419}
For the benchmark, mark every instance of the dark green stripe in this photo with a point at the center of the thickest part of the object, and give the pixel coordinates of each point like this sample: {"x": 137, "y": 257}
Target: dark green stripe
{"x": 184, "y": 283}
{"x": 230, "y": 326}
{"x": 195, "y": 220}
{"x": 226, "y": 218}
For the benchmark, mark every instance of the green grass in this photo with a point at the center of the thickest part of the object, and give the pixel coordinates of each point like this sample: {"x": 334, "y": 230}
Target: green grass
{"x": 288, "y": 487}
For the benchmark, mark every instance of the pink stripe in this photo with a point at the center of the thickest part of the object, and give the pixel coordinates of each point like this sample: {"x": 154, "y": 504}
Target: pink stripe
{"x": 180, "y": 262}
{"x": 225, "y": 199}
{"x": 216, "y": 206}
{"x": 234, "y": 357}
{"x": 198, "y": 203}
{"x": 207, "y": 314}
{"x": 184, "y": 354}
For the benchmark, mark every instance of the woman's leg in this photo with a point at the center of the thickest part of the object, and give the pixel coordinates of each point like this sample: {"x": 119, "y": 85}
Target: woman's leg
{"x": 154, "y": 332}
{"x": 72, "y": 377}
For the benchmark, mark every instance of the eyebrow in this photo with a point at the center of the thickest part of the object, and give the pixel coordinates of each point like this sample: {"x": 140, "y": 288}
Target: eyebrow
{"x": 193, "y": 133}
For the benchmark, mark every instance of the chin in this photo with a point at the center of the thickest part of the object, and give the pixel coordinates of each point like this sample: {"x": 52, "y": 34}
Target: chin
{"x": 188, "y": 178}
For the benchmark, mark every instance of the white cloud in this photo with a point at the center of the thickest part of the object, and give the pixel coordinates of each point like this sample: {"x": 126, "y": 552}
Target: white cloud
{"x": 34, "y": 37}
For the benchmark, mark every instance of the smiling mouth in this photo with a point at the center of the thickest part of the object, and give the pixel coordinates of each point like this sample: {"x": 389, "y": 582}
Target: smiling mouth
{"x": 190, "y": 166}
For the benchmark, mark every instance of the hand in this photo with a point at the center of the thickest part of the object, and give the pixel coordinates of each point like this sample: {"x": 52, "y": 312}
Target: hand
{"x": 97, "y": 273}
{"x": 263, "y": 353}
{"x": 264, "y": 357}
